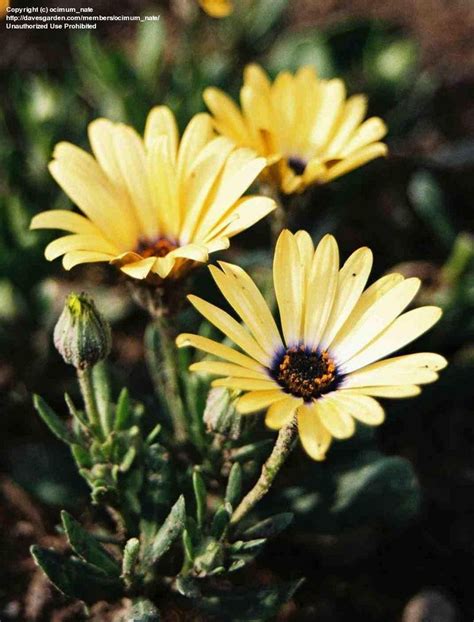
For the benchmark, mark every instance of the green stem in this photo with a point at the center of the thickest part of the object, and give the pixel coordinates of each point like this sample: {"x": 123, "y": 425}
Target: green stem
{"x": 169, "y": 377}
{"x": 87, "y": 389}
{"x": 281, "y": 450}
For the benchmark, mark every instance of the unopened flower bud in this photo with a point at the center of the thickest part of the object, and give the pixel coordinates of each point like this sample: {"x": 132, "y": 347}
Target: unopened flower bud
{"x": 220, "y": 414}
{"x": 82, "y": 335}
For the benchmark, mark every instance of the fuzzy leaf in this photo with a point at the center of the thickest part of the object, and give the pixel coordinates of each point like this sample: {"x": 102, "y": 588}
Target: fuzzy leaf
{"x": 187, "y": 586}
{"x": 252, "y": 451}
{"x": 75, "y": 412}
{"x": 234, "y": 485}
{"x": 87, "y": 547}
{"x": 54, "y": 423}
{"x": 81, "y": 456}
{"x": 76, "y": 578}
{"x": 129, "y": 560}
{"x": 167, "y": 534}
{"x": 103, "y": 397}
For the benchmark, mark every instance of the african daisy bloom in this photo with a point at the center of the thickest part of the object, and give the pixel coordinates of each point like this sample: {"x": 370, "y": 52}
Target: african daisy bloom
{"x": 217, "y": 8}
{"x": 153, "y": 206}
{"x": 305, "y": 127}
{"x": 324, "y": 365}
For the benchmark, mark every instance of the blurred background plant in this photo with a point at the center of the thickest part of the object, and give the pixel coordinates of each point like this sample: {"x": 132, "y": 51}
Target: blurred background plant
{"x": 389, "y": 515}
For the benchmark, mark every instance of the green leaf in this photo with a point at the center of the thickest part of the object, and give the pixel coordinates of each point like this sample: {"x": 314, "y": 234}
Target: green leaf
{"x": 252, "y": 451}
{"x": 123, "y": 411}
{"x": 87, "y": 547}
{"x": 74, "y": 412}
{"x": 167, "y": 534}
{"x": 76, "y": 578}
{"x": 143, "y": 610}
{"x": 200, "y": 494}
{"x": 269, "y": 527}
{"x": 221, "y": 520}
{"x": 187, "y": 586}
{"x": 54, "y": 423}
{"x": 82, "y": 456}
{"x": 234, "y": 485}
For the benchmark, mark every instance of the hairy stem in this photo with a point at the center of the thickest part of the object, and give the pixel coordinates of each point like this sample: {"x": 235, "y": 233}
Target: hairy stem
{"x": 87, "y": 389}
{"x": 281, "y": 450}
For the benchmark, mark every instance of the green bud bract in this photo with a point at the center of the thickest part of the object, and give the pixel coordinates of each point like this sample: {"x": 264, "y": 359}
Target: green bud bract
{"x": 82, "y": 335}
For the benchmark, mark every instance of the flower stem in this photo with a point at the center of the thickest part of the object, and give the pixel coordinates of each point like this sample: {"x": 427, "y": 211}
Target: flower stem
{"x": 87, "y": 389}
{"x": 281, "y": 450}
{"x": 168, "y": 379}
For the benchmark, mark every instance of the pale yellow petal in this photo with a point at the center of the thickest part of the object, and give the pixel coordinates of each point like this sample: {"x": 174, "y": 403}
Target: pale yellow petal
{"x": 226, "y": 114}
{"x": 306, "y": 249}
{"x": 231, "y": 328}
{"x": 371, "y": 131}
{"x": 217, "y": 349}
{"x": 196, "y": 135}
{"x": 353, "y": 337}
{"x": 219, "y": 368}
{"x": 394, "y": 392}
{"x": 280, "y": 413}
{"x": 161, "y": 122}
{"x": 288, "y": 279}
{"x": 398, "y": 334}
{"x": 139, "y": 269}
{"x": 321, "y": 289}
{"x": 132, "y": 160}
{"x": 420, "y": 368}
{"x": 351, "y": 282}
{"x": 245, "y": 384}
{"x": 361, "y": 407}
{"x": 256, "y": 77}
{"x": 315, "y": 438}
{"x": 245, "y": 297}
{"x": 82, "y": 179}
{"x": 355, "y": 160}
{"x": 352, "y": 115}
{"x": 163, "y": 188}
{"x": 78, "y": 242}
{"x": 65, "y": 220}
{"x": 244, "y": 214}
{"x": 258, "y": 400}
{"x": 335, "y": 417}
{"x": 331, "y": 101}
{"x": 74, "y": 258}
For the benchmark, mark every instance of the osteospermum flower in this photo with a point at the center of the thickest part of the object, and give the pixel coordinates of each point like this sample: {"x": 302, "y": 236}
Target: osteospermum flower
{"x": 153, "y": 206}
{"x": 324, "y": 365}
{"x": 217, "y": 8}
{"x": 305, "y": 127}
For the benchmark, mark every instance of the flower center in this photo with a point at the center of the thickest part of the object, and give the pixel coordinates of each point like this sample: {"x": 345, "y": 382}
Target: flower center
{"x": 297, "y": 164}
{"x": 305, "y": 373}
{"x": 155, "y": 248}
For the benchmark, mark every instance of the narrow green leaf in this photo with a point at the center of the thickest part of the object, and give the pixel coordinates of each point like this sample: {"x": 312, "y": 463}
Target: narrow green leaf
{"x": 221, "y": 520}
{"x": 54, "y": 423}
{"x": 128, "y": 460}
{"x": 188, "y": 546}
{"x": 87, "y": 547}
{"x": 234, "y": 485}
{"x": 152, "y": 436}
{"x": 76, "y": 578}
{"x": 187, "y": 586}
{"x": 123, "y": 411}
{"x": 200, "y": 494}
{"x": 74, "y": 412}
{"x": 253, "y": 451}
{"x": 168, "y": 533}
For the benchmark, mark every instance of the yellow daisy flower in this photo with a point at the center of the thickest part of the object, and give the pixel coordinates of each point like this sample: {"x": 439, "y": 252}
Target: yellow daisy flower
{"x": 306, "y": 128}
{"x": 153, "y": 206}
{"x": 324, "y": 365}
{"x": 217, "y": 8}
